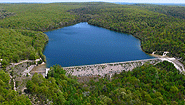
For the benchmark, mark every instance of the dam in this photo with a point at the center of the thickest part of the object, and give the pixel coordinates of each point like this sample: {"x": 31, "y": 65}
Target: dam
{"x": 108, "y": 68}
{"x": 111, "y": 68}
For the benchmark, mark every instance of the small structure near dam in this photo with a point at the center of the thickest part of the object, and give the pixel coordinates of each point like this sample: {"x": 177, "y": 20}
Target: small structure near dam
{"x": 108, "y": 68}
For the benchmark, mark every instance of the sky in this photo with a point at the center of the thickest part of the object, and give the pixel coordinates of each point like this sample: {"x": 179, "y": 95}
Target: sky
{"x": 129, "y": 1}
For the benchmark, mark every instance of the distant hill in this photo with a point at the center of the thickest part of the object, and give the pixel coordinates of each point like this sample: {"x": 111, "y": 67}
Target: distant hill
{"x": 124, "y": 3}
{"x": 169, "y": 4}
{"x": 169, "y": 10}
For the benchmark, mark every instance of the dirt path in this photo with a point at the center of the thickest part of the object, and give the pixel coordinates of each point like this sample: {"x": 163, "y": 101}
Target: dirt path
{"x": 179, "y": 66}
{"x": 21, "y": 62}
{"x": 13, "y": 82}
{"x": 27, "y": 71}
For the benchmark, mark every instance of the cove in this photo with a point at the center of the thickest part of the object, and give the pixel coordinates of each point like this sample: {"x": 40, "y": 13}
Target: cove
{"x": 84, "y": 44}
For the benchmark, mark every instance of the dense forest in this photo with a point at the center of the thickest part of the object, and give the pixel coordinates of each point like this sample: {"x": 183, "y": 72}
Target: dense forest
{"x": 146, "y": 85}
{"x": 9, "y": 96}
{"x": 39, "y": 17}
{"x": 158, "y": 85}
{"x": 160, "y": 28}
{"x": 4, "y": 13}
{"x": 21, "y": 25}
{"x": 21, "y": 44}
{"x": 174, "y": 11}
{"x": 157, "y": 31}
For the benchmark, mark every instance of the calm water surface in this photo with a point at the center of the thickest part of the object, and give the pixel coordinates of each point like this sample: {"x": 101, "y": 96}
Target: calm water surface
{"x": 84, "y": 44}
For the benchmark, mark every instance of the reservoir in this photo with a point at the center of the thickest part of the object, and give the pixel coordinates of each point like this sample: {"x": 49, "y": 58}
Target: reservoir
{"x": 84, "y": 44}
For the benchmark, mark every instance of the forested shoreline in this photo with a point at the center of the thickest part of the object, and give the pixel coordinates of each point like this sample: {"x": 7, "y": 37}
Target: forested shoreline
{"x": 160, "y": 28}
{"x": 154, "y": 25}
{"x": 22, "y": 34}
{"x": 157, "y": 31}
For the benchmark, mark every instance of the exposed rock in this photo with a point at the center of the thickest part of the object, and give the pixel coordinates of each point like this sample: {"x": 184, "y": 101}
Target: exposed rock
{"x": 107, "y": 68}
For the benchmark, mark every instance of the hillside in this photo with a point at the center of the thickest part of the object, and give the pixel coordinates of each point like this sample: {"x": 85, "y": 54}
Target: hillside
{"x": 21, "y": 44}
{"x": 21, "y": 37}
{"x": 158, "y": 85}
{"x": 160, "y": 28}
{"x": 157, "y": 31}
{"x": 174, "y": 11}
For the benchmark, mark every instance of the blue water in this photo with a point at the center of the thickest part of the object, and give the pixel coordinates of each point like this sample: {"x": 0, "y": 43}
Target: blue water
{"x": 84, "y": 44}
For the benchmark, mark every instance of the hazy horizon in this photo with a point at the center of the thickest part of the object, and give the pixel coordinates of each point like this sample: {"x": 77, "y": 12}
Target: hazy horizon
{"x": 125, "y": 1}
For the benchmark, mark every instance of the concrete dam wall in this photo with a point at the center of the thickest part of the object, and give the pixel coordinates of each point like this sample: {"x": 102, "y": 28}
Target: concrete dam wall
{"x": 108, "y": 68}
